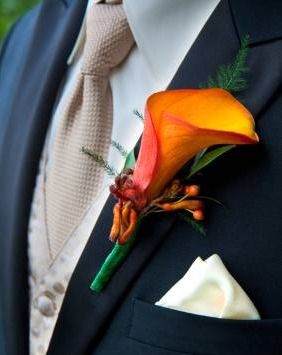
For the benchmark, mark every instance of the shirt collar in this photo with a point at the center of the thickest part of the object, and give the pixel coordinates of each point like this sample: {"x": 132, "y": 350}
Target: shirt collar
{"x": 165, "y": 30}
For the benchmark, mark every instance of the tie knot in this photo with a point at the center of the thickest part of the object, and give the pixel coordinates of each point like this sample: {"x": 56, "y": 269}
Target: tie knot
{"x": 108, "y": 39}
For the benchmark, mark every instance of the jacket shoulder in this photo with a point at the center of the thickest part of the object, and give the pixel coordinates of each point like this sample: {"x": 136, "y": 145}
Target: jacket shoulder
{"x": 12, "y": 58}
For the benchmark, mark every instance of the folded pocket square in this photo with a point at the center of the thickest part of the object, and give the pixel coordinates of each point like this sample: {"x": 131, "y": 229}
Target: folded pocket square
{"x": 208, "y": 289}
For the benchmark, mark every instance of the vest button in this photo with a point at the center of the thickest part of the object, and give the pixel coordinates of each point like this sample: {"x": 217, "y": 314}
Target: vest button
{"x": 46, "y": 306}
{"x": 59, "y": 288}
{"x": 35, "y": 332}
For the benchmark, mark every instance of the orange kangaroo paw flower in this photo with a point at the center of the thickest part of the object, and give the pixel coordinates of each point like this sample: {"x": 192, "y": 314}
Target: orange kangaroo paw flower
{"x": 182, "y": 205}
{"x": 125, "y": 215}
{"x": 115, "y": 230}
{"x": 124, "y": 238}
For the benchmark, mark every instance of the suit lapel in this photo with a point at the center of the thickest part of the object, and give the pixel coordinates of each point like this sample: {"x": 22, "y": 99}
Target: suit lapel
{"x": 84, "y": 313}
{"x": 55, "y": 30}
{"x": 260, "y": 20}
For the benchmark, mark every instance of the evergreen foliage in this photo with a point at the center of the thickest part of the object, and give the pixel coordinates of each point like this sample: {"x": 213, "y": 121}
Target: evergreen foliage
{"x": 139, "y": 115}
{"x": 101, "y": 161}
{"x": 120, "y": 148}
{"x": 231, "y": 76}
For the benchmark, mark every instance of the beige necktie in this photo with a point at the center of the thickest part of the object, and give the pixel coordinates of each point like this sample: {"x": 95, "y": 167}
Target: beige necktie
{"x": 74, "y": 180}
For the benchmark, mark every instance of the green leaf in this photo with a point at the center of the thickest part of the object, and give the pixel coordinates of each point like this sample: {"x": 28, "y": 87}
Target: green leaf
{"x": 197, "y": 226}
{"x": 198, "y": 157}
{"x": 130, "y": 160}
{"x": 207, "y": 158}
{"x": 190, "y": 165}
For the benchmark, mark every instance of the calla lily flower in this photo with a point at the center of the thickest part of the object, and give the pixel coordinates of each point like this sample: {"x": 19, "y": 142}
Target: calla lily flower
{"x": 178, "y": 125}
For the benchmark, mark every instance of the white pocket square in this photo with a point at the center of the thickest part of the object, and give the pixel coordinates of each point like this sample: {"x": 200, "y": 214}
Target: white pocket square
{"x": 208, "y": 289}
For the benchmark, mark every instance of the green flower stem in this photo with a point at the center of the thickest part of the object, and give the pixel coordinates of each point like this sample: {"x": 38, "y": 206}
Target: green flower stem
{"x": 113, "y": 261}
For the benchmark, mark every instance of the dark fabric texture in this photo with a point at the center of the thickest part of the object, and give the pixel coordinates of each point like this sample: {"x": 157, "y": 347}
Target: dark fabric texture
{"x": 123, "y": 320}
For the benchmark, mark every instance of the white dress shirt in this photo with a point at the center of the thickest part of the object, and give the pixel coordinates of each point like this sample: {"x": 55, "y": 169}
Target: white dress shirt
{"x": 164, "y": 31}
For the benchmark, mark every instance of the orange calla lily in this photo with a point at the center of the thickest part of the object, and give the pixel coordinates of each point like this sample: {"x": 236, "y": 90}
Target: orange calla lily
{"x": 178, "y": 125}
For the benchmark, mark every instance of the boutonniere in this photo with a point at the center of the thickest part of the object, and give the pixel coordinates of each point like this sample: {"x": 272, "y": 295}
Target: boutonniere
{"x": 184, "y": 131}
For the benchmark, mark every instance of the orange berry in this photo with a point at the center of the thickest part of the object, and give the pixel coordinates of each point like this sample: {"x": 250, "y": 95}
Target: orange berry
{"x": 198, "y": 215}
{"x": 192, "y": 190}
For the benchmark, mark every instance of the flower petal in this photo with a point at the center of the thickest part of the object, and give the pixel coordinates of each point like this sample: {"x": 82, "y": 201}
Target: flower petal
{"x": 149, "y": 153}
{"x": 179, "y": 124}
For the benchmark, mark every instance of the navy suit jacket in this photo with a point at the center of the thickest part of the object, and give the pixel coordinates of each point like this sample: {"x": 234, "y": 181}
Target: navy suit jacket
{"x": 247, "y": 235}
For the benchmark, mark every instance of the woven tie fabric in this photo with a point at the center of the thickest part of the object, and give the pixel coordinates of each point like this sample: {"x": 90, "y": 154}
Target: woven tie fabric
{"x": 73, "y": 179}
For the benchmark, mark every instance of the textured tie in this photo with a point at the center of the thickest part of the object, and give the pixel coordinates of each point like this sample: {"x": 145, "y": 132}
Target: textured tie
{"x": 73, "y": 180}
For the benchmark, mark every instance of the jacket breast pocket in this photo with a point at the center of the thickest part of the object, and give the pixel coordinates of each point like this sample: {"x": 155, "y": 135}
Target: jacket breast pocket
{"x": 187, "y": 333}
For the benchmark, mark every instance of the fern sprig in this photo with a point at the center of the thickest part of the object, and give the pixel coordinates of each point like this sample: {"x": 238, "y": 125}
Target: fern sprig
{"x": 120, "y": 148}
{"x": 101, "y": 161}
{"x": 231, "y": 76}
{"x": 139, "y": 115}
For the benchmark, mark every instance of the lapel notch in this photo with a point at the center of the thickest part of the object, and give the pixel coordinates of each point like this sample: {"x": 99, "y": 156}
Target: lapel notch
{"x": 260, "y": 19}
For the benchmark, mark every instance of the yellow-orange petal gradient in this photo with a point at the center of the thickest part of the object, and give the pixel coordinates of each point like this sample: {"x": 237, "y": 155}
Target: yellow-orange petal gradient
{"x": 179, "y": 124}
